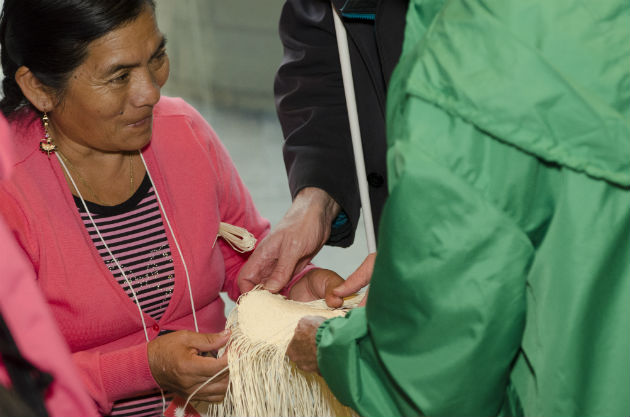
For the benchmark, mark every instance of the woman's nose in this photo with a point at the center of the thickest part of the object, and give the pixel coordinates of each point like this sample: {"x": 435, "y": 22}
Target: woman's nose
{"x": 146, "y": 90}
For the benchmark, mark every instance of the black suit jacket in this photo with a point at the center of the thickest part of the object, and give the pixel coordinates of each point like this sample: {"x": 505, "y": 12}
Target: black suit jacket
{"x": 311, "y": 104}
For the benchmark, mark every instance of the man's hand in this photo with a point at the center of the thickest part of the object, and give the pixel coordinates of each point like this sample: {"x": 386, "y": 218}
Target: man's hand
{"x": 176, "y": 364}
{"x": 357, "y": 280}
{"x": 292, "y": 244}
{"x": 302, "y": 349}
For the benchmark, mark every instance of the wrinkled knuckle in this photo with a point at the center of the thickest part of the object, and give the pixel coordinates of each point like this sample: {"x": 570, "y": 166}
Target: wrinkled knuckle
{"x": 280, "y": 270}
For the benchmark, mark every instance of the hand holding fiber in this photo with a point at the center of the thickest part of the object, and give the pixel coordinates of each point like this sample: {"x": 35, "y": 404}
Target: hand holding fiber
{"x": 177, "y": 365}
{"x": 292, "y": 244}
{"x": 302, "y": 349}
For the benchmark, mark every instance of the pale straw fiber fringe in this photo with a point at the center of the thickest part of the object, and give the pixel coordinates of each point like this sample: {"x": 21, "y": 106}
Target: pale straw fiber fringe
{"x": 263, "y": 382}
{"x": 240, "y": 239}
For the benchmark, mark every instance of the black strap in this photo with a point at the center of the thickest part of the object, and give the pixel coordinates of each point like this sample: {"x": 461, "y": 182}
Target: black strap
{"x": 29, "y": 383}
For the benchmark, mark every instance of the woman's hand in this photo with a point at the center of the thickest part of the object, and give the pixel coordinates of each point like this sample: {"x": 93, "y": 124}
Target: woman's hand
{"x": 176, "y": 364}
{"x": 303, "y": 349}
{"x": 316, "y": 284}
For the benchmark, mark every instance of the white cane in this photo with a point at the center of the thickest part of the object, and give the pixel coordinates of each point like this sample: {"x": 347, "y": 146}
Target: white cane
{"x": 353, "y": 117}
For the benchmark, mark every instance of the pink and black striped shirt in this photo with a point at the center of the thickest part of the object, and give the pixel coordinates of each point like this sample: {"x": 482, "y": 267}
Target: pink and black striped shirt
{"x": 135, "y": 234}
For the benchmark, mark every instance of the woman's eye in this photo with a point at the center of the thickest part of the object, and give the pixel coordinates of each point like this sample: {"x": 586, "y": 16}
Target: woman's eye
{"x": 121, "y": 78}
{"x": 159, "y": 59}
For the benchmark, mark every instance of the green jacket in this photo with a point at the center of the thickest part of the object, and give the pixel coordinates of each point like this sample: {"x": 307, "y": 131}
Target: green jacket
{"x": 502, "y": 281}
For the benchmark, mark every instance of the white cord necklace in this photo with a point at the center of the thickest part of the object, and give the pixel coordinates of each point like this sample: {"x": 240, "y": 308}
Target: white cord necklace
{"x": 133, "y": 292}
{"x": 237, "y": 237}
{"x": 168, "y": 223}
{"x": 179, "y": 250}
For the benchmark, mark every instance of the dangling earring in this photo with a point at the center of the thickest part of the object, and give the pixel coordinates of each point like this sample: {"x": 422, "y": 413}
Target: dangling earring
{"x": 46, "y": 145}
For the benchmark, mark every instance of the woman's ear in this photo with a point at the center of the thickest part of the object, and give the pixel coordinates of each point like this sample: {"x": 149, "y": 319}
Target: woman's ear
{"x": 33, "y": 89}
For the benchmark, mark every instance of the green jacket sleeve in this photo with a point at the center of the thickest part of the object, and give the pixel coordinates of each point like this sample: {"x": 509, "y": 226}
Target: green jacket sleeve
{"x": 346, "y": 340}
{"x": 446, "y": 307}
{"x": 501, "y": 277}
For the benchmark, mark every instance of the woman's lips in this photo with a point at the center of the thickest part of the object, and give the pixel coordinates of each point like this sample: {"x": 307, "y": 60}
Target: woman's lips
{"x": 141, "y": 122}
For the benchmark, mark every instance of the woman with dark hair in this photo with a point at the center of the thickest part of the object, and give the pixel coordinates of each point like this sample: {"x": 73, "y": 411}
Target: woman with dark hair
{"x": 117, "y": 197}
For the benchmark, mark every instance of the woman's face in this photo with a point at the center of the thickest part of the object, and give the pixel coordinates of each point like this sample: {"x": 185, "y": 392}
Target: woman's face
{"x": 108, "y": 103}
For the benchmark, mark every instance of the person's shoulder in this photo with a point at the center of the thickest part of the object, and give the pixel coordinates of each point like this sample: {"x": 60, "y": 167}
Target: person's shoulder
{"x": 174, "y": 113}
{"x": 174, "y": 116}
{"x": 169, "y": 107}
{"x": 19, "y": 138}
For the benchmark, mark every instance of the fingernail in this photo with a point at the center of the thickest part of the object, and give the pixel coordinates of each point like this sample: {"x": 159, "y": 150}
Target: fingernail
{"x": 270, "y": 288}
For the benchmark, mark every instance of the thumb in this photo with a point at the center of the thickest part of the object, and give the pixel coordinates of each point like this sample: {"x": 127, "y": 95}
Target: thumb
{"x": 251, "y": 273}
{"x": 281, "y": 275}
{"x": 245, "y": 283}
{"x": 358, "y": 279}
{"x": 343, "y": 289}
{"x": 206, "y": 342}
{"x": 273, "y": 285}
{"x": 351, "y": 285}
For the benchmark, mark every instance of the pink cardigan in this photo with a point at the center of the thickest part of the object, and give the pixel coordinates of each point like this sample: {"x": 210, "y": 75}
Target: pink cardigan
{"x": 199, "y": 187}
{"x": 31, "y": 323}
{"x": 36, "y": 333}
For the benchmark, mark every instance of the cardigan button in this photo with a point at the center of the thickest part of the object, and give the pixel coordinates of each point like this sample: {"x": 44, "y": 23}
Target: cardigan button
{"x": 156, "y": 327}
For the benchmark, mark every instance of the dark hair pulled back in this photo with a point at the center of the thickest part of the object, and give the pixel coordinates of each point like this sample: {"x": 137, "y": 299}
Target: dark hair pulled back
{"x": 51, "y": 37}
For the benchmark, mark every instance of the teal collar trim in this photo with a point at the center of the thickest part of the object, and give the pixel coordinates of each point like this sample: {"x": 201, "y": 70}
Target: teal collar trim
{"x": 359, "y": 9}
{"x": 365, "y": 16}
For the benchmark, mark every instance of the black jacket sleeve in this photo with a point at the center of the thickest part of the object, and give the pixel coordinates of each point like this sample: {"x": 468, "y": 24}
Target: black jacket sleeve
{"x": 312, "y": 110}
